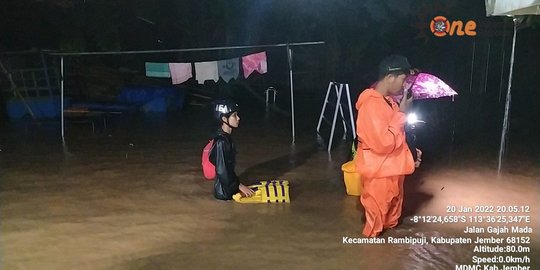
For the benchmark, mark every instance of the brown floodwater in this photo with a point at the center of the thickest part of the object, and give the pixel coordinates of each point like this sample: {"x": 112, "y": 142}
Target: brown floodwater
{"x": 132, "y": 196}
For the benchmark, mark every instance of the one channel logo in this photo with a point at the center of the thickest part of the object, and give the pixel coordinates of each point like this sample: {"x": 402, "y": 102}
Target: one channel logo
{"x": 440, "y": 26}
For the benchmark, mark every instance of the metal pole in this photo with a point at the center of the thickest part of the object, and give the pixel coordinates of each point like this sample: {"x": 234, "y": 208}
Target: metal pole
{"x": 46, "y": 68}
{"x": 472, "y": 65}
{"x": 289, "y": 57}
{"x": 508, "y": 100}
{"x": 343, "y": 117}
{"x": 502, "y": 62}
{"x": 62, "y": 98}
{"x": 338, "y": 106}
{"x": 324, "y": 106}
{"x": 351, "y": 112}
{"x": 487, "y": 68}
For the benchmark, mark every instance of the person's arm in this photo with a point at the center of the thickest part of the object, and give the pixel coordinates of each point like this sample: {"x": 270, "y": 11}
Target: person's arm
{"x": 227, "y": 183}
{"x": 218, "y": 157}
{"x": 381, "y": 134}
{"x": 418, "y": 160}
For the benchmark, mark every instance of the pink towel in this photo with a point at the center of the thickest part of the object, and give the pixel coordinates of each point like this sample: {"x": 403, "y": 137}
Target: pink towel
{"x": 254, "y": 62}
{"x": 180, "y": 72}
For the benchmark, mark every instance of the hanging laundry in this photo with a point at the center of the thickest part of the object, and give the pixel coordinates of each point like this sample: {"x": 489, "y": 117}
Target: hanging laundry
{"x": 229, "y": 69}
{"x": 206, "y": 71}
{"x": 254, "y": 62}
{"x": 158, "y": 70}
{"x": 180, "y": 72}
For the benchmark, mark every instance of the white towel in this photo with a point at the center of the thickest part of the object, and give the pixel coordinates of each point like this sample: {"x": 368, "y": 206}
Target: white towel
{"x": 206, "y": 71}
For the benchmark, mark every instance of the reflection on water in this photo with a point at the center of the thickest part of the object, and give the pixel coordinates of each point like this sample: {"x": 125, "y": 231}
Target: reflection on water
{"x": 133, "y": 197}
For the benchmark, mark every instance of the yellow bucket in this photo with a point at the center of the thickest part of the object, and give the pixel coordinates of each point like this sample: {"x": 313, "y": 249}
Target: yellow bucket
{"x": 352, "y": 179}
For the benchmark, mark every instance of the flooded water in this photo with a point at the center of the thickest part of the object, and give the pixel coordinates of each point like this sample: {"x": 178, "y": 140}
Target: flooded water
{"x": 132, "y": 196}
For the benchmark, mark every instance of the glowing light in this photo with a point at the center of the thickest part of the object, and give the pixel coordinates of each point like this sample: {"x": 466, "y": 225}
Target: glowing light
{"x": 412, "y": 119}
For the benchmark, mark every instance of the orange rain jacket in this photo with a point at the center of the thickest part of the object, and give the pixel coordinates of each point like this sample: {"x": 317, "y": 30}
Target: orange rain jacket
{"x": 382, "y": 149}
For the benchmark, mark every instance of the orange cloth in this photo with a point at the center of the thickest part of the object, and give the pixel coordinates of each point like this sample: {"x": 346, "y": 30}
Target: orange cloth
{"x": 382, "y": 199}
{"x": 383, "y": 159}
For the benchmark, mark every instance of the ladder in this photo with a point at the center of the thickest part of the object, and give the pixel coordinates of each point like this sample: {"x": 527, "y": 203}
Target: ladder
{"x": 35, "y": 82}
{"x": 340, "y": 90}
{"x": 32, "y": 74}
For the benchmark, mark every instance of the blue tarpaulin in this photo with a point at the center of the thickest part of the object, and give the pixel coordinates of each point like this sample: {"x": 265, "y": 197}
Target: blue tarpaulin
{"x": 153, "y": 99}
{"x": 42, "y": 107}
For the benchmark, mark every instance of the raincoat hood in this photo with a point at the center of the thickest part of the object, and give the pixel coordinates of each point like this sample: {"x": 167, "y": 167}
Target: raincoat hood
{"x": 368, "y": 94}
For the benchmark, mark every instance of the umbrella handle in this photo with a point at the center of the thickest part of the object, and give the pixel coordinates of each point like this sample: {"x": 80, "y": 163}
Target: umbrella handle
{"x": 410, "y": 87}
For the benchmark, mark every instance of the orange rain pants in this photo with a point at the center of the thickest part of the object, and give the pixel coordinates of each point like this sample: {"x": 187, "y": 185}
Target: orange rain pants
{"x": 382, "y": 199}
{"x": 383, "y": 160}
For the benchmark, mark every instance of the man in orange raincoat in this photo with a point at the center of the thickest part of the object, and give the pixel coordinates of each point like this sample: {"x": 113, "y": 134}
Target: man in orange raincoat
{"x": 383, "y": 157}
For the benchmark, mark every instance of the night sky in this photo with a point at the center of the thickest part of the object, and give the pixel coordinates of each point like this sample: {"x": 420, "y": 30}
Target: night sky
{"x": 357, "y": 35}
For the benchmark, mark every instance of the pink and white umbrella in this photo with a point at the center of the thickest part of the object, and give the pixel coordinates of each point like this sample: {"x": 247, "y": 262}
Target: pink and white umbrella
{"x": 425, "y": 85}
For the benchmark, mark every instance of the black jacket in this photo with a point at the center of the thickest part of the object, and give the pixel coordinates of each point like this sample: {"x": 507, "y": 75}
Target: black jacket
{"x": 223, "y": 156}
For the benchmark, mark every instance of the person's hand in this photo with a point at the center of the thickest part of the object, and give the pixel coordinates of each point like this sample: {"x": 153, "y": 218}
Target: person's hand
{"x": 248, "y": 192}
{"x": 418, "y": 158}
{"x": 405, "y": 103}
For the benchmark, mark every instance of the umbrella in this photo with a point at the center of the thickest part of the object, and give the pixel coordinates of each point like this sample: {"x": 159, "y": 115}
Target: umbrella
{"x": 425, "y": 85}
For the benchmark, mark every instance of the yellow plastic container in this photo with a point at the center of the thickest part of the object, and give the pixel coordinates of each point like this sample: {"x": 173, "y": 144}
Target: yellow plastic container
{"x": 352, "y": 179}
{"x": 275, "y": 191}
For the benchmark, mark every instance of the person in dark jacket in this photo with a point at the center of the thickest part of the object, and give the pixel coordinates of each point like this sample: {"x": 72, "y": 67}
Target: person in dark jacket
{"x": 223, "y": 153}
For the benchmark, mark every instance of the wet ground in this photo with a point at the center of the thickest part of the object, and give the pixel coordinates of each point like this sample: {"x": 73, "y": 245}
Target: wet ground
{"x": 132, "y": 196}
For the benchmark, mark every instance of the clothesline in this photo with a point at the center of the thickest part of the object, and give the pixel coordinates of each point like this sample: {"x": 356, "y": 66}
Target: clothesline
{"x": 209, "y": 70}
{"x": 189, "y": 50}
{"x": 287, "y": 45}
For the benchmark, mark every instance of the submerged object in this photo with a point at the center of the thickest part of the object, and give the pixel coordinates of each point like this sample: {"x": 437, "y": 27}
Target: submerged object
{"x": 352, "y": 179}
{"x": 275, "y": 191}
